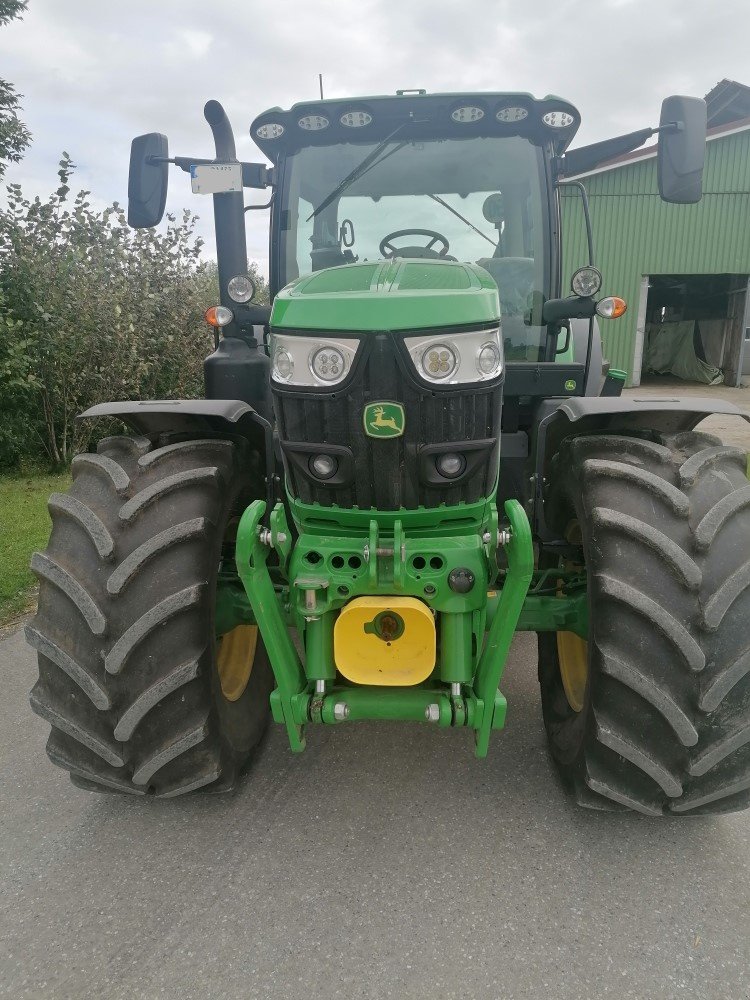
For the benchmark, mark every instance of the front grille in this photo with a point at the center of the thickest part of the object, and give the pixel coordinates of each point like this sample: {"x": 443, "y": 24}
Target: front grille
{"x": 388, "y": 474}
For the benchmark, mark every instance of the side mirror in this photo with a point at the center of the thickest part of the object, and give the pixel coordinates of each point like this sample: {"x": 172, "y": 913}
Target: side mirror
{"x": 147, "y": 180}
{"x": 682, "y": 150}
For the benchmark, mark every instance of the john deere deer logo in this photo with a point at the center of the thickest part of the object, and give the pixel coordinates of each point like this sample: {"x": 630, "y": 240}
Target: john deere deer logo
{"x": 384, "y": 420}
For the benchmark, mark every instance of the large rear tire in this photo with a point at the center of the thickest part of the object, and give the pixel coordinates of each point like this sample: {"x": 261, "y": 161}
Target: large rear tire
{"x": 660, "y": 720}
{"x": 128, "y": 676}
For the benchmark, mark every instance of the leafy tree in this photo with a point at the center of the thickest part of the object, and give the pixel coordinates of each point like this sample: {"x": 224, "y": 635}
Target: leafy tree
{"x": 92, "y": 310}
{"x": 14, "y": 136}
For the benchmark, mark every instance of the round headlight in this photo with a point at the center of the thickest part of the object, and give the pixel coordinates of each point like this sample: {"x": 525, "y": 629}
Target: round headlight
{"x": 450, "y": 465}
{"x": 324, "y": 466}
{"x": 328, "y": 363}
{"x": 488, "y": 359}
{"x": 240, "y": 288}
{"x": 586, "y": 281}
{"x": 439, "y": 361}
{"x": 283, "y": 364}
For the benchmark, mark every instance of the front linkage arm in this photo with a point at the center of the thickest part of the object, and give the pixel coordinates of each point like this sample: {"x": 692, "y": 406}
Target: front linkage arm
{"x": 293, "y": 701}
{"x": 251, "y": 555}
{"x": 520, "y": 553}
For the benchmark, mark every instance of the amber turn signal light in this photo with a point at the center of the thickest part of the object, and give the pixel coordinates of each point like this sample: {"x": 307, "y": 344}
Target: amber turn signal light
{"x": 612, "y": 307}
{"x": 218, "y": 316}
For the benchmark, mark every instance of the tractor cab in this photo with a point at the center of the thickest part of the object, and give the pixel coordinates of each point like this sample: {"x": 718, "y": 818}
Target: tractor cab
{"x": 466, "y": 178}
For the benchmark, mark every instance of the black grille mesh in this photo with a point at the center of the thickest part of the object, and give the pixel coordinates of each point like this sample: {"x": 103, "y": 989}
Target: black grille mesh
{"x": 386, "y": 471}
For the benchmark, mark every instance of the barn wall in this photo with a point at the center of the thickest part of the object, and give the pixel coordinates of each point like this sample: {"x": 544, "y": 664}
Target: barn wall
{"x": 635, "y": 233}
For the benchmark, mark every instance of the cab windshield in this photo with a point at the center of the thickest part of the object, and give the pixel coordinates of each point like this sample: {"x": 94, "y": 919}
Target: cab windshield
{"x": 478, "y": 199}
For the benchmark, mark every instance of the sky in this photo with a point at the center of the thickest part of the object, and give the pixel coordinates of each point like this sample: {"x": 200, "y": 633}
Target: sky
{"x": 94, "y": 73}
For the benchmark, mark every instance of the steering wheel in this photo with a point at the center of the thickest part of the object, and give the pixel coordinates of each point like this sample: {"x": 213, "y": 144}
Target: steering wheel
{"x": 387, "y": 249}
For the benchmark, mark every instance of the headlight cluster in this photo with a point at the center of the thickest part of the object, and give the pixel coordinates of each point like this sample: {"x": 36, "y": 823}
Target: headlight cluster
{"x": 465, "y": 357}
{"x": 470, "y": 356}
{"x": 311, "y": 361}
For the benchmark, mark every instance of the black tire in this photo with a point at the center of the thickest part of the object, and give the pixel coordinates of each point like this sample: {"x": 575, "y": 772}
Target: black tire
{"x": 125, "y": 626}
{"x": 665, "y": 722}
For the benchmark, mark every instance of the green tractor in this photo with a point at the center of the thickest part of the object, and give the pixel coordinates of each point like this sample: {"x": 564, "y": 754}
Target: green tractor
{"x": 414, "y": 453}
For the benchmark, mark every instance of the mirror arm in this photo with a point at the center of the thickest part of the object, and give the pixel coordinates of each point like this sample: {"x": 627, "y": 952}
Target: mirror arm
{"x": 254, "y": 175}
{"x": 581, "y": 187}
{"x": 572, "y": 307}
{"x": 669, "y": 127}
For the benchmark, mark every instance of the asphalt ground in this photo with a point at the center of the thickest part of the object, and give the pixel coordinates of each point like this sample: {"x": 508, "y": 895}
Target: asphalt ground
{"x": 385, "y": 861}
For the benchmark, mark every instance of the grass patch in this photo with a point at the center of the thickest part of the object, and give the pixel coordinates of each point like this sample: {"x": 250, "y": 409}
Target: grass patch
{"x": 24, "y": 527}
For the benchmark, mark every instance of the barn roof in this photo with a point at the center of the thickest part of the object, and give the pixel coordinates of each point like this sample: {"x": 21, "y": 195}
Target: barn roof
{"x": 728, "y": 111}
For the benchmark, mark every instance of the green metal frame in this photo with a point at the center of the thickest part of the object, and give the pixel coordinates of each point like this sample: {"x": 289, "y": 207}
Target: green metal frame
{"x": 386, "y": 565}
{"x": 557, "y": 601}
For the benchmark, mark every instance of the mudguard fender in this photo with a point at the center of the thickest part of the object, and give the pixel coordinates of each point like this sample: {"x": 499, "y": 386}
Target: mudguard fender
{"x": 159, "y": 416}
{"x": 558, "y": 419}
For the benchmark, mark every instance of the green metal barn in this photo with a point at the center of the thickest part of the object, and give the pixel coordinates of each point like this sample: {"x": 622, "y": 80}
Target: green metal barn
{"x": 683, "y": 269}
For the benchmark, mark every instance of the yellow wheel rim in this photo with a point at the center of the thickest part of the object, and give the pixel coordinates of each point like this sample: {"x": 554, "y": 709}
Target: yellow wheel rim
{"x": 573, "y": 655}
{"x": 572, "y": 650}
{"x": 235, "y": 656}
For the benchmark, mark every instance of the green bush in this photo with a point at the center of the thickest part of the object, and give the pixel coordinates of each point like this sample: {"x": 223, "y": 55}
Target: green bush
{"x": 91, "y": 310}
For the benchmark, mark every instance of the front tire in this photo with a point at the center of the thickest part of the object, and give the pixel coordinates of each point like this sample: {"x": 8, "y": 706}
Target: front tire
{"x": 663, "y": 724}
{"x": 128, "y": 676}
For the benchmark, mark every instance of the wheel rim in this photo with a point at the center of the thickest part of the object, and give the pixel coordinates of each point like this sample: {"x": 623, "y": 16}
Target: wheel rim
{"x": 572, "y": 650}
{"x": 573, "y": 656}
{"x": 235, "y": 656}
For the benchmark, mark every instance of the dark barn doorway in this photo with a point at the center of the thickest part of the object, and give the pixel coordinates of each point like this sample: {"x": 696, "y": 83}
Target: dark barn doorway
{"x": 696, "y": 327}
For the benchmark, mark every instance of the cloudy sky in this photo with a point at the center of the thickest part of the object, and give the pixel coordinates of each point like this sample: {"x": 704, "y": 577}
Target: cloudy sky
{"x": 94, "y": 73}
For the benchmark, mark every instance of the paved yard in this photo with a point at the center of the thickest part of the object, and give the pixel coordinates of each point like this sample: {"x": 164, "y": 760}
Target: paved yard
{"x": 732, "y": 430}
{"x": 384, "y": 862}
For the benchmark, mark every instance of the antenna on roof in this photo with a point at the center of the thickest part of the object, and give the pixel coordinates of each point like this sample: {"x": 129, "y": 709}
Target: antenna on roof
{"x": 320, "y": 81}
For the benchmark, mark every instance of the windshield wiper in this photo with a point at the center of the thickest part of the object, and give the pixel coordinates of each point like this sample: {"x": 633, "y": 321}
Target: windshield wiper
{"x": 358, "y": 171}
{"x": 458, "y": 215}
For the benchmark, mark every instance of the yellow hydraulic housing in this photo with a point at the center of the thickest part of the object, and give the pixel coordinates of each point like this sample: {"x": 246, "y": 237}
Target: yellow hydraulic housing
{"x": 385, "y": 640}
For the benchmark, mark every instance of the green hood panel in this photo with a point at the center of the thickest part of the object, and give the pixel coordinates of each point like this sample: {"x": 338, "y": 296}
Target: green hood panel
{"x": 398, "y": 294}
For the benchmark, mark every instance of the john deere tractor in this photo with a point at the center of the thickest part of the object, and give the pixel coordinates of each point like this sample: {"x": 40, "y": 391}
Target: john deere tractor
{"x": 414, "y": 453}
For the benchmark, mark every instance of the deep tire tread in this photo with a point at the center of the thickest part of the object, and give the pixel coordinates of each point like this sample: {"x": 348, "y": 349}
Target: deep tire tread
{"x": 155, "y": 546}
{"x": 77, "y": 673}
{"x": 666, "y": 724}
{"x": 152, "y": 696}
{"x": 149, "y": 621}
{"x": 101, "y": 539}
{"x": 123, "y": 633}
{"x": 105, "y": 467}
{"x": 52, "y": 573}
{"x": 160, "y": 489}
{"x": 79, "y": 731}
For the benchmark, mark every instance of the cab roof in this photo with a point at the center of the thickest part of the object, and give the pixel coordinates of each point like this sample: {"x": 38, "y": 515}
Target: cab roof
{"x": 416, "y": 115}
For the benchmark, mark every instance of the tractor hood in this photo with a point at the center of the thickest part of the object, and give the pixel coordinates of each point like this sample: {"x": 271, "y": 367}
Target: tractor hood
{"x": 398, "y": 294}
